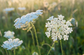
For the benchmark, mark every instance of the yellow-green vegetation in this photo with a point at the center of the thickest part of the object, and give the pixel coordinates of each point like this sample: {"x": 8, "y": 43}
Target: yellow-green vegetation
{"x": 68, "y": 8}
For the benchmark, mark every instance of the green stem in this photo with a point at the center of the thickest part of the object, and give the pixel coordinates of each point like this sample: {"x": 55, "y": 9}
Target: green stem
{"x": 14, "y": 51}
{"x": 36, "y": 38}
{"x": 32, "y": 37}
{"x": 51, "y": 48}
{"x": 61, "y": 47}
{"x": 6, "y": 52}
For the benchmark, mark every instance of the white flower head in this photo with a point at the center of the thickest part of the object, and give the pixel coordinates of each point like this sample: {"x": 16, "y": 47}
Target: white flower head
{"x": 12, "y": 43}
{"x": 21, "y": 8}
{"x": 9, "y": 34}
{"x": 25, "y": 20}
{"x": 58, "y": 28}
{"x": 8, "y": 9}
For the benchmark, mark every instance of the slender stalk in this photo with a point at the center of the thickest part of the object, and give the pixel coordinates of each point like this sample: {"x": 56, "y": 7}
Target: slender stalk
{"x": 61, "y": 47}
{"x": 14, "y": 51}
{"x": 6, "y": 52}
{"x": 51, "y": 48}
{"x": 32, "y": 37}
{"x": 36, "y": 38}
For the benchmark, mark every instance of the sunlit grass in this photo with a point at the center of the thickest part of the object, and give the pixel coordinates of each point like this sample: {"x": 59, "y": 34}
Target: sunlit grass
{"x": 69, "y": 8}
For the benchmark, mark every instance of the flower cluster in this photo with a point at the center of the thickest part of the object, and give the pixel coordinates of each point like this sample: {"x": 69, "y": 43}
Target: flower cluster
{"x": 58, "y": 28}
{"x": 12, "y": 43}
{"x": 9, "y": 34}
{"x": 21, "y": 8}
{"x": 25, "y": 20}
{"x": 8, "y": 9}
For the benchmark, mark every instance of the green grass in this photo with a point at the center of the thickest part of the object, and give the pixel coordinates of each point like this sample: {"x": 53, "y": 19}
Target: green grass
{"x": 75, "y": 44}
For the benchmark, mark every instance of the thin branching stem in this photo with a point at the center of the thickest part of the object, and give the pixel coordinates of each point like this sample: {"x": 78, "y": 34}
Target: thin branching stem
{"x": 51, "y": 48}
{"x": 32, "y": 37}
{"x": 36, "y": 38}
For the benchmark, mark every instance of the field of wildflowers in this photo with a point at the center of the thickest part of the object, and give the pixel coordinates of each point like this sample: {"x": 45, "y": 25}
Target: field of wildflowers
{"x": 41, "y": 27}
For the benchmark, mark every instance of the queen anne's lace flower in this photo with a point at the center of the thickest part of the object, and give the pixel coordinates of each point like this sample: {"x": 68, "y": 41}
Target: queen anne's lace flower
{"x": 12, "y": 43}
{"x": 58, "y": 28}
{"x": 25, "y": 20}
{"x": 8, "y": 9}
{"x": 9, "y": 34}
{"x": 21, "y": 8}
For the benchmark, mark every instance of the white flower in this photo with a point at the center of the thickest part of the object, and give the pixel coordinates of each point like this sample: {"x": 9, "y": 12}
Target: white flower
{"x": 60, "y": 17}
{"x": 25, "y": 20}
{"x": 66, "y": 37}
{"x": 58, "y": 28}
{"x": 8, "y": 9}
{"x": 21, "y": 8}
{"x": 47, "y": 33}
{"x": 50, "y": 18}
{"x": 35, "y": 53}
{"x": 12, "y": 43}
{"x": 9, "y": 34}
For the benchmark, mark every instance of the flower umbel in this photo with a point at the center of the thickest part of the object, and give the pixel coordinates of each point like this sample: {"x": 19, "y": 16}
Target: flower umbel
{"x": 12, "y": 43}
{"x": 9, "y": 34}
{"x": 58, "y": 28}
{"x": 8, "y": 9}
{"x": 25, "y": 20}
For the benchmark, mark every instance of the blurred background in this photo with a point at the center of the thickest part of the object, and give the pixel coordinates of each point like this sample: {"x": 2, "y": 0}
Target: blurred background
{"x": 12, "y": 9}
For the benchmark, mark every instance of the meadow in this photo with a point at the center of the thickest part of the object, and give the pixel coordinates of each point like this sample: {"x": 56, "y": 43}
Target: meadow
{"x": 68, "y": 8}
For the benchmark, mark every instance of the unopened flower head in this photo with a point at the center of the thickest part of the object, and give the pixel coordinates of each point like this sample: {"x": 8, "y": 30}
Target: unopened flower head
{"x": 9, "y": 34}
{"x": 35, "y": 53}
{"x": 53, "y": 48}
{"x": 72, "y": 20}
{"x": 58, "y": 28}
{"x": 25, "y": 20}
{"x": 12, "y": 43}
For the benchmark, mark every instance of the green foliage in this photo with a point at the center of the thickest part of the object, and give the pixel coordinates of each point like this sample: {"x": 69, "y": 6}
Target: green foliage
{"x": 75, "y": 44}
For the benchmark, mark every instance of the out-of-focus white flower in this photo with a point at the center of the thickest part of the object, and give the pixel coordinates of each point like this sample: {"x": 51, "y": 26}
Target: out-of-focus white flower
{"x": 54, "y": 3}
{"x": 9, "y": 34}
{"x": 12, "y": 43}
{"x": 8, "y": 9}
{"x": 23, "y": 47}
{"x": 21, "y": 8}
{"x": 58, "y": 28}
{"x": 35, "y": 53}
{"x": 25, "y": 20}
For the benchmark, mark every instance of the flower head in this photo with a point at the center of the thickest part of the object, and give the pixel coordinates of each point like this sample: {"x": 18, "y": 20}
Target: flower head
{"x": 25, "y": 20}
{"x": 8, "y": 9}
{"x": 58, "y": 28}
{"x": 12, "y": 43}
{"x": 9, "y": 34}
{"x": 21, "y": 8}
